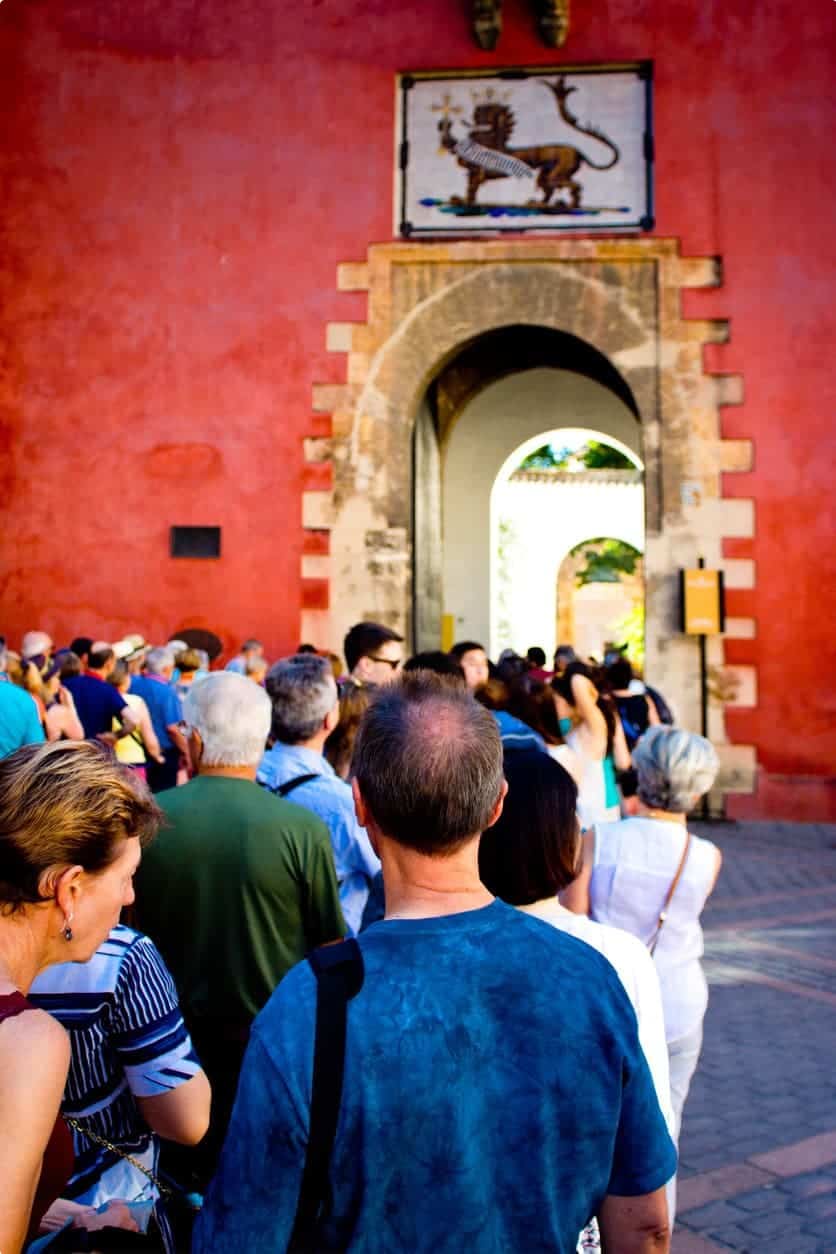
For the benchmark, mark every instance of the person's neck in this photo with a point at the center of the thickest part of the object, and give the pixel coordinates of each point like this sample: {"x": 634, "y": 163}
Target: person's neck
{"x": 554, "y": 903}
{"x": 228, "y": 772}
{"x": 20, "y": 956}
{"x": 418, "y": 887}
{"x": 316, "y": 744}
{"x": 667, "y": 816}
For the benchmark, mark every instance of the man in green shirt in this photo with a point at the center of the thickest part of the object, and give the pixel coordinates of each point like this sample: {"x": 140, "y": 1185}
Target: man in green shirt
{"x": 238, "y": 887}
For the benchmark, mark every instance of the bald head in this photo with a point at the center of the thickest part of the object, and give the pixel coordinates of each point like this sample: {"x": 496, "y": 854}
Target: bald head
{"x": 428, "y": 762}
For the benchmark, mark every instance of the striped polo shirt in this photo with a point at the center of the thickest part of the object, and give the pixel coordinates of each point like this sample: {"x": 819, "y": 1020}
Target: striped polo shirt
{"x": 128, "y": 1040}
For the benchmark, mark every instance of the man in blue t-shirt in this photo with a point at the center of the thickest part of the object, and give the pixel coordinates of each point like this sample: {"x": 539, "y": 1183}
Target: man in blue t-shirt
{"x": 97, "y": 702}
{"x": 495, "y": 1095}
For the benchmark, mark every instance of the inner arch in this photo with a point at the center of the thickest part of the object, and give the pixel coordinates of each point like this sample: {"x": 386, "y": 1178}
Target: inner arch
{"x": 516, "y": 411}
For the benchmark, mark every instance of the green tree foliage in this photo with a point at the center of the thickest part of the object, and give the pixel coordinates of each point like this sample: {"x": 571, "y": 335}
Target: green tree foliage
{"x": 597, "y": 456}
{"x": 545, "y": 458}
{"x": 594, "y": 455}
{"x": 606, "y": 561}
{"x": 629, "y": 632}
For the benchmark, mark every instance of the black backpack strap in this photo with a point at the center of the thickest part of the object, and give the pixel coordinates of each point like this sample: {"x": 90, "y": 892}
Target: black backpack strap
{"x": 290, "y": 784}
{"x": 339, "y": 977}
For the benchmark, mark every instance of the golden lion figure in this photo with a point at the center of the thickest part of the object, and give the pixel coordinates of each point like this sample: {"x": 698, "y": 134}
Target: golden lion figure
{"x": 486, "y": 153}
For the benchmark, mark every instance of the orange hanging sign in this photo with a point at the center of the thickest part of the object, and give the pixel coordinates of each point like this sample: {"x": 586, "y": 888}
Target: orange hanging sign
{"x": 703, "y": 610}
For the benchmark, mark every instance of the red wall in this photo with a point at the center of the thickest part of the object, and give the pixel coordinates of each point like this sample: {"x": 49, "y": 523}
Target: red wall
{"x": 179, "y": 184}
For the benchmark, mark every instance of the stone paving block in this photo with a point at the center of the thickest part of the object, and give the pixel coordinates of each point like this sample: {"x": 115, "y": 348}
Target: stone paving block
{"x": 725, "y": 1182}
{"x": 714, "y": 1215}
{"x": 772, "y": 1224}
{"x": 762, "y": 1200}
{"x": 792, "y": 1243}
{"x": 818, "y": 1207}
{"x": 685, "y": 1242}
{"x": 808, "y": 1185}
{"x": 812, "y": 1152}
{"x": 825, "y": 1228}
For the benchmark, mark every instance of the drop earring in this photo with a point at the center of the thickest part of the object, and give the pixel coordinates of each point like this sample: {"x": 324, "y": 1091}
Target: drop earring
{"x": 68, "y": 931}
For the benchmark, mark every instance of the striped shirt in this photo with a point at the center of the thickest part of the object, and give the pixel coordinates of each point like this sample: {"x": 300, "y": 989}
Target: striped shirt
{"x": 128, "y": 1040}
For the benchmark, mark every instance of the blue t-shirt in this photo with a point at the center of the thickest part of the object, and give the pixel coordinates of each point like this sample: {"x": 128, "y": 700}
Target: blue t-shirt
{"x": 495, "y": 1091}
{"x": 164, "y": 705}
{"x": 97, "y": 703}
{"x": 20, "y": 723}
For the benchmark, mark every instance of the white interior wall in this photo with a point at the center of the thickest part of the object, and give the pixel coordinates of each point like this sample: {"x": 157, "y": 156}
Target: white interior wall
{"x": 547, "y": 520}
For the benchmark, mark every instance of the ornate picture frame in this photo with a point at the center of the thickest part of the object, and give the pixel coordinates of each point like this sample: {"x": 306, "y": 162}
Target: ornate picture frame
{"x": 507, "y": 150}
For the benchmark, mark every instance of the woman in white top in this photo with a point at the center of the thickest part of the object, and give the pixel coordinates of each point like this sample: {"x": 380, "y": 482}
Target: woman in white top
{"x": 597, "y": 740}
{"x": 629, "y": 870}
{"x": 532, "y": 853}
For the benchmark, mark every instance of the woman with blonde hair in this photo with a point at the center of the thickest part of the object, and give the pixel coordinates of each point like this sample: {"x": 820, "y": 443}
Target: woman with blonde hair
{"x": 61, "y": 721}
{"x": 142, "y": 743}
{"x": 72, "y": 824}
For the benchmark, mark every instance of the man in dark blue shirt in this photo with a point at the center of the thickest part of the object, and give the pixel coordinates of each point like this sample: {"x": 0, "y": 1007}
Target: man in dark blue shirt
{"x": 496, "y": 1096}
{"x": 166, "y": 710}
{"x": 97, "y": 702}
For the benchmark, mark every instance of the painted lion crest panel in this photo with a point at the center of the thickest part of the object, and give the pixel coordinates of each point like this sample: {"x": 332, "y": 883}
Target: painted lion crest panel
{"x": 553, "y": 149}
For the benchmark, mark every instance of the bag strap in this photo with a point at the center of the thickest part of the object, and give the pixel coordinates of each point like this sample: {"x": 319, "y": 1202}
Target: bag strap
{"x": 339, "y": 977}
{"x": 663, "y": 913}
{"x": 289, "y": 785}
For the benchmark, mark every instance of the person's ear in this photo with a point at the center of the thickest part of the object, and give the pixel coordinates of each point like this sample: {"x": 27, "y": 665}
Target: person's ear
{"x": 362, "y": 669}
{"x": 63, "y": 885}
{"x": 332, "y": 718}
{"x": 195, "y": 747}
{"x": 359, "y": 803}
{"x": 500, "y": 802}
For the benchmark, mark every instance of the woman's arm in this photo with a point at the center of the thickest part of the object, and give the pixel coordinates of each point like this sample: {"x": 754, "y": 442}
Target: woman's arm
{"x": 182, "y": 1114}
{"x": 594, "y": 729}
{"x": 146, "y": 731}
{"x": 620, "y": 752}
{"x": 152, "y": 1041}
{"x": 653, "y": 718}
{"x": 34, "y": 1060}
{"x": 62, "y": 718}
{"x": 717, "y": 867}
{"x": 576, "y": 896}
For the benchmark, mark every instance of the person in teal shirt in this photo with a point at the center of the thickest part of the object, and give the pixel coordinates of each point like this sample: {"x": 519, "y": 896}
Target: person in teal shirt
{"x": 495, "y": 1093}
{"x": 20, "y": 723}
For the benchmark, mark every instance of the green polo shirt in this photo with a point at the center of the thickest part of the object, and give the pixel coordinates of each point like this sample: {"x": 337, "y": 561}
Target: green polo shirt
{"x": 237, "y": 888}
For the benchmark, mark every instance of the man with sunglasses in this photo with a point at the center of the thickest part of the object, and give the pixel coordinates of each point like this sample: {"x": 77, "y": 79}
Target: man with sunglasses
{"x": 373, "y": 653}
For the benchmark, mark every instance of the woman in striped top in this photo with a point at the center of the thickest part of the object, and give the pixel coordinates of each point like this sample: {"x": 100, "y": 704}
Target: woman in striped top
{"x": 133, "y": 1077}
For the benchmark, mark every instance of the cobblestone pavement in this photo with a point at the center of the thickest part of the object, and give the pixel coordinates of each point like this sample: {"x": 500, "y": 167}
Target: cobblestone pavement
{"x": 758, "y": 1146}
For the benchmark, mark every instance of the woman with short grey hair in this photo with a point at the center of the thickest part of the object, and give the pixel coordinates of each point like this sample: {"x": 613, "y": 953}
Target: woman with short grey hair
{"x": 649, "y": 875}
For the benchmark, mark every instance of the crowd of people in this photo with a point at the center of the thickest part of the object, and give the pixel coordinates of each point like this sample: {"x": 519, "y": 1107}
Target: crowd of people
{"x": 488, "y": 868}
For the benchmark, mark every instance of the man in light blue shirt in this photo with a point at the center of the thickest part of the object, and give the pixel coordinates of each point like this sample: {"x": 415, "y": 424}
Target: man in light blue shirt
{"x": 305, "y": 712}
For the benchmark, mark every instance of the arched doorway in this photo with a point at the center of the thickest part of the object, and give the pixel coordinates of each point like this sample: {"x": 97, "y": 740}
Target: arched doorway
{"x": 426, "y": 303}
{"x": 488, "y": 403}
{"x": 484, "y": 444}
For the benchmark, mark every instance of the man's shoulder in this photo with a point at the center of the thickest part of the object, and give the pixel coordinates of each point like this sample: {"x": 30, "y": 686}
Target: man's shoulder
{"x": 220, "y": 798}
{"x": 15, "y": 698}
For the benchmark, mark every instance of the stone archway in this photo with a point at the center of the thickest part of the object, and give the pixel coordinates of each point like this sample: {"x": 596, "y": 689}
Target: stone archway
{"x": 426, "y": 301}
